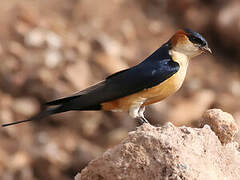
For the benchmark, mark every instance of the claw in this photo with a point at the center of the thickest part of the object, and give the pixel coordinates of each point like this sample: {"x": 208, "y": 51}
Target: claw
{"x": 142, "y": 120}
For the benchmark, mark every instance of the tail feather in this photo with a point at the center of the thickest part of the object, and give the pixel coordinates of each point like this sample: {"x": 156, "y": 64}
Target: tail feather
{"x": 41, "y": 115}
{"x": 59, "y": 101}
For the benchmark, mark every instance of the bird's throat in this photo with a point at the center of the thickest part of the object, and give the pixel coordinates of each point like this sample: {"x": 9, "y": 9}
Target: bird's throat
{"x": 181, "y": 58}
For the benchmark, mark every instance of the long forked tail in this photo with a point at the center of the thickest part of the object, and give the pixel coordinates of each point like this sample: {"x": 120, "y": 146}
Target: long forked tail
{"x": 41, "y": 115}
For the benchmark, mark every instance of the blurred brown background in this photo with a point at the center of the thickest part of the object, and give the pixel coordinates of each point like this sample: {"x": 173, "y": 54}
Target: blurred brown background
{"x": 51, "y": 49}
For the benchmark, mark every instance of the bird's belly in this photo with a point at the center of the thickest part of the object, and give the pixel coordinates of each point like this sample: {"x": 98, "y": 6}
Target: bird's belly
{"x": 165, "y": 89}
{"x": 148, "y": 96}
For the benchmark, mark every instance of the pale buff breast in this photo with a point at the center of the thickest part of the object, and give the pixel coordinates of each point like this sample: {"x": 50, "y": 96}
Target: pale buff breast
{"x": 155, "y": 94}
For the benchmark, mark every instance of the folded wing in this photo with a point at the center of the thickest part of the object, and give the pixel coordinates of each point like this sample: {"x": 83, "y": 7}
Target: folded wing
{"x": 149, "y": 73}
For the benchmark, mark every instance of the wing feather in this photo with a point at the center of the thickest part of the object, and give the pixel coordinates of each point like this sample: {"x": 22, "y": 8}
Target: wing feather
{"x": 154, "y": 70}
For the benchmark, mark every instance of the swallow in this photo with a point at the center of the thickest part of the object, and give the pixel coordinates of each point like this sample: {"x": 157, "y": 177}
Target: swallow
{"x": 157, "y": 77}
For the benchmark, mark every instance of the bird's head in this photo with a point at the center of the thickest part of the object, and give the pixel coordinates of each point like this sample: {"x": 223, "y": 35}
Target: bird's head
{"x": 189, "y": 43}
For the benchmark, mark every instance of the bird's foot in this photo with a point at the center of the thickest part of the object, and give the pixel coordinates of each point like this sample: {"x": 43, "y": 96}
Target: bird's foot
{"x": 142, "y": 120}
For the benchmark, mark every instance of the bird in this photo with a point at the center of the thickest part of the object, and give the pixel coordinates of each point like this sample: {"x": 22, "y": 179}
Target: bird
{"x": 154, "y": 79}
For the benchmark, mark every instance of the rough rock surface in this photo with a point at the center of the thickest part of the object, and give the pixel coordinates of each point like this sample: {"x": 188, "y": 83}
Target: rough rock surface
{"x": 169, "y": 152}
{"x": 221, "y": 123}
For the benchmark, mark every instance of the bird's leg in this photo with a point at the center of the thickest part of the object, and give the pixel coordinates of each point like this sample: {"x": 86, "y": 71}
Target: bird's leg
{"x": 141, "y": 115}
{"x": 136, "y": 111}
{"x": 140, "y": 121}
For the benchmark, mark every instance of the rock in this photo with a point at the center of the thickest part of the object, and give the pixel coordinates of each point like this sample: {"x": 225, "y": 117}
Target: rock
{"x": 168, "y": 152}
{"x": 38, "y": 37}
{"x": 26, "y": 106}
{"x": 222, "y": 124}
{"x": 110, "y": 64}
{"x": 116, "y": 135}
{"x": 235, "y": 88}
{"x": 53, "y": 40}
{"x": 6, "y": 115}
{"x": 35, "y": 38}
{"x": 16, "y": 49}
{"x": 83, "y": 48}
{"x": 109, "y": 45}
{"x": 227, "y": 21}
{"x": 128, "y": 29}
{"x": 79, "y": 74}
{"x": 19, "y": 160}
{"x": 53, "y": 58}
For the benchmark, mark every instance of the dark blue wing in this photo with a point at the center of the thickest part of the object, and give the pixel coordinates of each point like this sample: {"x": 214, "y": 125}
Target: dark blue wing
{"x": 154, "y": 70}
{"x": 138, "y": 78}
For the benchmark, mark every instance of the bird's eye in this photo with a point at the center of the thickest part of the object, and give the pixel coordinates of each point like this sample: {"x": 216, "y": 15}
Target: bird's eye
{"x": 196, "y": 40}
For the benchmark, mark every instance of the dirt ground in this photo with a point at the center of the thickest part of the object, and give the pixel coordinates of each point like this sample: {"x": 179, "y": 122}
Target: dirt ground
{"x": 51, "y": 49}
